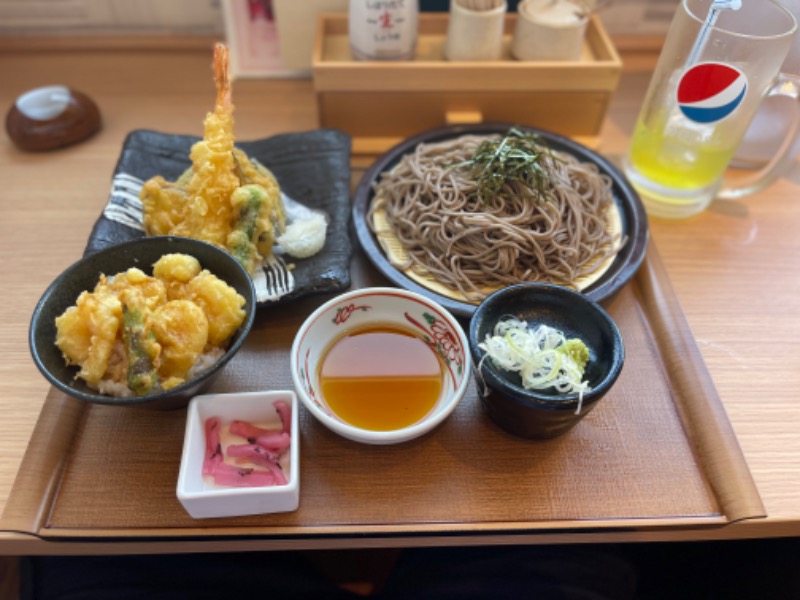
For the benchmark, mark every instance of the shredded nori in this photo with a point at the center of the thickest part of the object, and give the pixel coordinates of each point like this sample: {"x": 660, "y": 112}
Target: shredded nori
{"x": 518, "y": 159}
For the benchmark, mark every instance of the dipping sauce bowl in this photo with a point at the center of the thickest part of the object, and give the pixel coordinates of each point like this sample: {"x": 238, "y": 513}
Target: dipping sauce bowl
{"x": 428, "y": 332}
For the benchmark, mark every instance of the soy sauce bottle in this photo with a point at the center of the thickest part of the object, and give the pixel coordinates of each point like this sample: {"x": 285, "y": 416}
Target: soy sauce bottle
{"x": 383, "y": 29}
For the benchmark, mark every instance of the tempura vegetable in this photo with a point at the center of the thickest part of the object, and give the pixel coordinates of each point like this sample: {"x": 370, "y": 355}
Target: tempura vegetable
{"x": 208, "y": 202}
{"x": 142, "y": 350}
{"x": 251, "y": 202}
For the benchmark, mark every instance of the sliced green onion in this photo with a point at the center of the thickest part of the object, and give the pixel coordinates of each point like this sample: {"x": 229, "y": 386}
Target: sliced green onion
{"x": 542, "y": 356}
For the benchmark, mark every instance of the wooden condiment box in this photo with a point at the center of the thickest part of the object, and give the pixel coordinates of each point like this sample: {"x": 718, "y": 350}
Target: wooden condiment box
{"x": 379, "y": 103}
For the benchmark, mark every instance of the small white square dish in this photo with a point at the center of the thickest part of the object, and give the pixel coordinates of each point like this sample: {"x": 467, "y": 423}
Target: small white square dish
{"x": 241, "y": 455}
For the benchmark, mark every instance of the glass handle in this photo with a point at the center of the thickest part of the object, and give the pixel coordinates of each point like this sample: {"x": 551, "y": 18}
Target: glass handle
{"x": 788, "y": 86}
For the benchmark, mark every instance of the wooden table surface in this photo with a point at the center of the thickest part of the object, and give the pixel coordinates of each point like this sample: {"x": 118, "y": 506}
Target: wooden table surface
{"x": 735, "y": 268}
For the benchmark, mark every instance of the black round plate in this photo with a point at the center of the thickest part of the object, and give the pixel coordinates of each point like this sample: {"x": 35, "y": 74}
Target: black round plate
{"x": 632, "y": 214}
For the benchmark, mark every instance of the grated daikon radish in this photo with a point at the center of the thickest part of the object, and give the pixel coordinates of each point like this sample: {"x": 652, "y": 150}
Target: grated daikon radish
{"x": 304, "y": 238}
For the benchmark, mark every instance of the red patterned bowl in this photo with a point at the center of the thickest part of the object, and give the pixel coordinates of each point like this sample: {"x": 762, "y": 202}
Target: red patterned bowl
{"x": 435, "y": 328}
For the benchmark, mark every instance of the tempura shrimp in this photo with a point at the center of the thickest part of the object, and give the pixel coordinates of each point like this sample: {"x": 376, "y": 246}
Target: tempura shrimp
{"x": 206, "y": 202}
{"x": 88, "y": 330}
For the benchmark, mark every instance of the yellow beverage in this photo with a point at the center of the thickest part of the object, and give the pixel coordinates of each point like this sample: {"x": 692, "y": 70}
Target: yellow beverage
{"x": 678, "y": 158}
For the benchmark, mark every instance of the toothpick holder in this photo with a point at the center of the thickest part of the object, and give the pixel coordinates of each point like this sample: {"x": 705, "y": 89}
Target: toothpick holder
{"x": 475, "y": 35}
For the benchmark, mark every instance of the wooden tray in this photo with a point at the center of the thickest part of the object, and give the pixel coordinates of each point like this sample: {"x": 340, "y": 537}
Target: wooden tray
{"x": 658, "y": 451}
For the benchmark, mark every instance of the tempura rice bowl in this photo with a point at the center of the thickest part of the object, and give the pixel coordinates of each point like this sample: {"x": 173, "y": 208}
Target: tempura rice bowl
{"x": 141, "y": 253}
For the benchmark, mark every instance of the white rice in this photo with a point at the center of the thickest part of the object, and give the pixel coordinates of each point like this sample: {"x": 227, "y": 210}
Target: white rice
{"x": 205, "y": 361}
{"x": 109, "y": 387}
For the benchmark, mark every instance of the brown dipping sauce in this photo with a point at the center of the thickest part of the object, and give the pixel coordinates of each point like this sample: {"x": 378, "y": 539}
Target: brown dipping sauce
{"x": 381, "y": 379}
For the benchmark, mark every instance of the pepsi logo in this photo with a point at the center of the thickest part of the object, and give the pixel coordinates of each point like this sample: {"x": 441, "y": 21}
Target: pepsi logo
{"x": 711, "y": 91}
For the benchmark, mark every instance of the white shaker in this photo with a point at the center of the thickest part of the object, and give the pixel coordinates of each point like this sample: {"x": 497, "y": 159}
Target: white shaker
{"x": 383, "y": 29}
{"x": 549, "y": 30}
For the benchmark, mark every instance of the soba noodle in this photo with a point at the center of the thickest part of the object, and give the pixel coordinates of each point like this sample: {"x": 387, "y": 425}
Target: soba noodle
{"x": 474, "y": 243}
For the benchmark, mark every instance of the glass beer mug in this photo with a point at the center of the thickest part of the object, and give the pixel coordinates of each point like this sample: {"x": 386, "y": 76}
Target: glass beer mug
{"x": 714, "y": 70}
